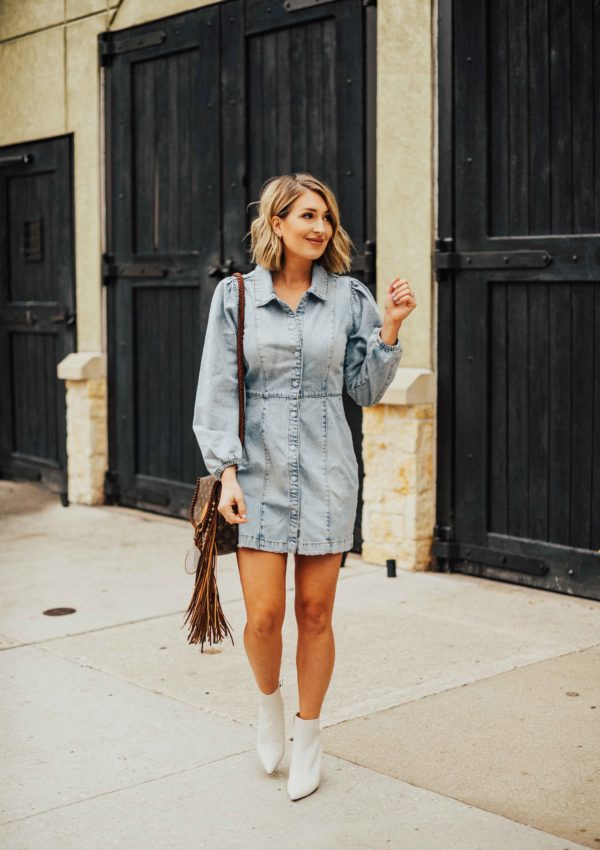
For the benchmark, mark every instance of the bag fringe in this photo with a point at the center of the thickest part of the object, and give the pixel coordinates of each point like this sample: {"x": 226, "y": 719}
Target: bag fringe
{"x": 207, "y": 622}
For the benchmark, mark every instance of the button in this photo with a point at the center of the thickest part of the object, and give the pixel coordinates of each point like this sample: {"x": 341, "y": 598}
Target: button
{"x": 294, "y": 383}
{"x": 294, "y": 477}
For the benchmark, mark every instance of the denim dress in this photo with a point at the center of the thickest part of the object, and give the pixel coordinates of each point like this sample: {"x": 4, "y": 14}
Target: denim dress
{"x": 297, "y": 467}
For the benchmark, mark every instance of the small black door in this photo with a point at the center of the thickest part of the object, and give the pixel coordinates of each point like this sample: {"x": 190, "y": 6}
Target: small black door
{"x": 519, "y": 293}
{"x": 37, "y": 308}
{"x": 201, "y": 109}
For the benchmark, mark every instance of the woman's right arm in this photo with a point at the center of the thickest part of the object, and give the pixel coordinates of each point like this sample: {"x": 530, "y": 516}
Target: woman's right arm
{"x": 216, "y": 407}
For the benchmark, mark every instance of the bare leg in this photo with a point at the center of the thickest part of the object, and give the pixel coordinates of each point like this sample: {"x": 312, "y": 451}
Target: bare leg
{"x": 316, "y": 581}
{"x": 262, "y": 575}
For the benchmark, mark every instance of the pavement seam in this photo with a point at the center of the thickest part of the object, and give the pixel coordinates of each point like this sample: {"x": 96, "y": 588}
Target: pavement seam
{"x": 421, "y": 788}
{"x": 447, "y": 690}
{"x": 126, "y": 787}
{"x": 426, "y": 790}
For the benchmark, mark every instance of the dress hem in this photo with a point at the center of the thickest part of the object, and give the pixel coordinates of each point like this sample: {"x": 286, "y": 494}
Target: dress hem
{"x": 344, "y": 544}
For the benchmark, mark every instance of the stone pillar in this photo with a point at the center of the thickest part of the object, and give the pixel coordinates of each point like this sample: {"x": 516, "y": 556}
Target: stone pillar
{"x": 87, "y": 437}
{"x": 398, "y": 487}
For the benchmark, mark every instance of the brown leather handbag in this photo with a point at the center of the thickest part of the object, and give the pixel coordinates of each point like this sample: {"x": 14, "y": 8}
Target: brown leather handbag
{"x": 213, "y": 535}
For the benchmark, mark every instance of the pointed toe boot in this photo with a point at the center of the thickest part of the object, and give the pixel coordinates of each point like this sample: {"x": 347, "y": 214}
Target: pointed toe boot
{"x": 270, "y": 739}
{"x": 307, "y": 752}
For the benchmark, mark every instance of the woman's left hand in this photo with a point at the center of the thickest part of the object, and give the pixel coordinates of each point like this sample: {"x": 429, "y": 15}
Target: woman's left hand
{"x": 399, "y": 300}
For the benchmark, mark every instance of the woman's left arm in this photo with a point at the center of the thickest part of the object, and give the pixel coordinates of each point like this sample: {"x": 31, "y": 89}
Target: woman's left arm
{"x": 373, "y": 350}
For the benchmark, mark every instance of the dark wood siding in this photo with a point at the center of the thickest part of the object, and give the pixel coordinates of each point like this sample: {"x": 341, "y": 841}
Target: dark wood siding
{"x": 519, "y": 293}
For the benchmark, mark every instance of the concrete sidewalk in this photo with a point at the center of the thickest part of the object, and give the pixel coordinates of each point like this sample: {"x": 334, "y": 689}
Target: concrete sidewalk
{"x": 462, "y": 713}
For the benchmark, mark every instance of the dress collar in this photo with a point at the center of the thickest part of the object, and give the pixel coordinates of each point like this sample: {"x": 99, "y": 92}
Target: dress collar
{"x": 263, "y": 283}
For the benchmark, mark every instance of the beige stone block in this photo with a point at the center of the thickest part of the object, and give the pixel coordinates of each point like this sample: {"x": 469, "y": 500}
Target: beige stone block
{"x": 96, "y": 389}
{"x": 377, "y": 499}
{"x": 87, "y": 440}
{"x": 32, "y": 102}
{"x": 372, "y": 553}
{"x": 373, "y": 492}
{"x": 81, "y": 8}
{"x": 374, "y": 446}
{"x": 18, "y": 17}
{"x": 385, "y": 527}
{"x": 404, "y": 475}
{"x": 423, "y": 411}
{"x": 373, "y": 420}
{"x": 83, "y": 111}
{"x": 424, "y": 443}
{"x": 406, "y": 435}
{"x": 405, "y": 184}
{"x": 409, "y": 386}
{"x": 396, "y": 476}
{"x": 419, "y": 514}
{"x": 82, "y": 366}
{"x": 424, "y": 472}
{"x": 395, "y": 412}
{"x": 423, "y": 553}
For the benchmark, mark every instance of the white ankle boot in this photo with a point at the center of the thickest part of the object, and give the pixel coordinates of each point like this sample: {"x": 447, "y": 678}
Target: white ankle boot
{"x": 270, "y": 739}
{"x": 307, "y": 751}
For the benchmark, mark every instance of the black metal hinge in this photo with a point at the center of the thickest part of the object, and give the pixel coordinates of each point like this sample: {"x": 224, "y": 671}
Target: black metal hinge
{"x": 21, "y": 159}
{"x": 443, "y": 532}
{"x": 110, "y": 45}
{"x": 112, "y": 270}
{"x": 445, "y": 259}
{"x": 295, "y": 5}
{"x": 489, "y": 557}
{"x": 112, "y": 490}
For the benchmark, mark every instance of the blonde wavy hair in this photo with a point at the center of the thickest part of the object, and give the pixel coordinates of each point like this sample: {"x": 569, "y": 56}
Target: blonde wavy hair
{"x": 276, "y": 197}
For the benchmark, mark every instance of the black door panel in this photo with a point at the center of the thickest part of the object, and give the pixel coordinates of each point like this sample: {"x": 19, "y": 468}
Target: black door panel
{"x": 37, "y": 308}
{"x": 519, "y": 296}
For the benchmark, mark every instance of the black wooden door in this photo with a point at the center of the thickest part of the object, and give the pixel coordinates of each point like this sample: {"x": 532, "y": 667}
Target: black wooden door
{"x": 37, "y": 309}
{"x": 519, "y": 293}
{"x": 201, "y": 109}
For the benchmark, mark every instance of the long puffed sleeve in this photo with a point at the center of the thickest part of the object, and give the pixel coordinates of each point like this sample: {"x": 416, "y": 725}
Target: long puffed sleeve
{"x": 216, "y": 409}
{"x": 370, "y": 363}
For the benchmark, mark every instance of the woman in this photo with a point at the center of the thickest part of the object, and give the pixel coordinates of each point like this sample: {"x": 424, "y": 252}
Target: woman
{"x": 293, "y": 487}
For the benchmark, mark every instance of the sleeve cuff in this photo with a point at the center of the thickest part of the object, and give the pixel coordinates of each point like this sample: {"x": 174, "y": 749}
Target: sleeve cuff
{"x": 386, "y": 346}
{"x": 229, "y": 462}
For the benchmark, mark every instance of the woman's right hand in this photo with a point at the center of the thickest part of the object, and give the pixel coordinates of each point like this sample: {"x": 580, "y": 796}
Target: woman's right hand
{"x": 232, "y": 497}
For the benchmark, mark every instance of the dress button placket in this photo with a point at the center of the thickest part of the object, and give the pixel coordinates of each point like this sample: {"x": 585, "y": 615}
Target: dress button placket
{"x": 294, "y": 439}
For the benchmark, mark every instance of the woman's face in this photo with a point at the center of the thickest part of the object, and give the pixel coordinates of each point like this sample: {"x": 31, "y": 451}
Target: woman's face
{"x": 307, "y": 228}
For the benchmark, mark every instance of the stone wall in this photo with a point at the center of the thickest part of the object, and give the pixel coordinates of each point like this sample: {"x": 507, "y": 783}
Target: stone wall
{"x": 398, "y": 488}
{"x": 87, "y": 445}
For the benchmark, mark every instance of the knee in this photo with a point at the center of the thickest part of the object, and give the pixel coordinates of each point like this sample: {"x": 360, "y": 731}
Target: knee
{"x": 313, "y": 617}
{"x": 265, "y": 623}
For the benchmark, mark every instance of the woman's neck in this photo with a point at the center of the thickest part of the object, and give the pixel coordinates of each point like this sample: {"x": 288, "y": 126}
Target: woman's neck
{"x": 295, "y": 274}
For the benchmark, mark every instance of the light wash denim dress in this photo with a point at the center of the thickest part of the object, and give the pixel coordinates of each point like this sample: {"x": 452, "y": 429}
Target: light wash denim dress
{"x": 297, "y": 468}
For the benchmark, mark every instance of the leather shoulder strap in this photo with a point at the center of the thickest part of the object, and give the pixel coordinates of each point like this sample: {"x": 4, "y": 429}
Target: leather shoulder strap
{"x": 240, "y": 356}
